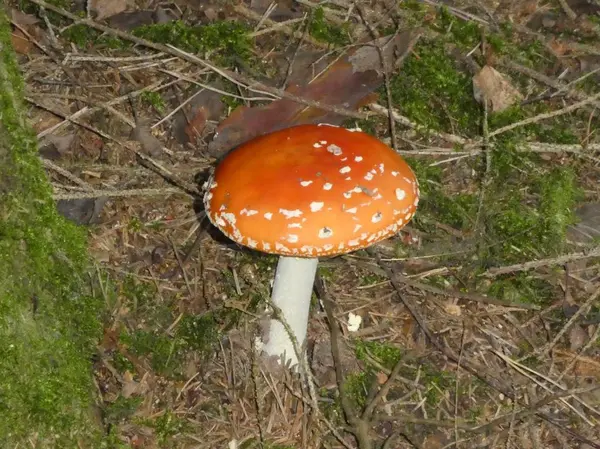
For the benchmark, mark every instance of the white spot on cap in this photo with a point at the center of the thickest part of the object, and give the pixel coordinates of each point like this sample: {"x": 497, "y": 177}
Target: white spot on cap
{"x": 395, "y": 173}
{"x": 328, "y": 247}
{"x": 345, "y": 169}
{"x": 381, "y": 166}
{"x": 295, "y": 225}
{"x": 352, "y": 210}
{"x": 334, "y": 149}
{"x": 228, "y": 216}
{"x": 316, "y": 206}
{"x": 305, "y": 183}
{"x": 358, "y": 158}
{"x": 252, "y": 243}
{"x": 354, "y": 243}
{"x": 376, "y": 218}
{"x": 325, "y": 233}
{"x": 248, "y": 212}
{"x": 290, "y": 213}
{"x": 327, "y": 186}
{"x": 208, "y": 196}
{"x": 323, "y": 142}
{"x": 317, "y": 145}
{"x": 327, "y": 124}
{"x": 280, "y": 247}
{"x": 369, "y": 176}
{"x": 357, "y": 227}
{"x": 355, "y": 130}
{"x": 400, "y": 194}
{"x": 292, "y": 238}
{"x": 268, "y": 215}
{"x": 266, "y": 246}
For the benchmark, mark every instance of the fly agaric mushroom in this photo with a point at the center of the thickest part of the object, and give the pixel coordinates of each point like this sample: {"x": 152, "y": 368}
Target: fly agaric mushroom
{"x": 302, "y": 193}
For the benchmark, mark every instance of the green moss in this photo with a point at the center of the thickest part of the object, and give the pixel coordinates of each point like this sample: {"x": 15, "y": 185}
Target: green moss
{"x": 531, "y": 226}
{"x": 164, "y": 352}
{"x": 154, "y": 99}
{"x": 321, "y": 29}
{"x": 200, "y": 333}
{"x": 385, "y": 354}
{"x": 522, "y": 288}
{"x": 122, "y": 409}
{"x": 49, "y": 322}
{"x": 465, "y": 33}
{"x": 229, "y": 39}
{"x": 81, "y": 35}
{"x": 356, "y": 387}
{"x": 167, "y": 426}
{"x": 432, "y": 92}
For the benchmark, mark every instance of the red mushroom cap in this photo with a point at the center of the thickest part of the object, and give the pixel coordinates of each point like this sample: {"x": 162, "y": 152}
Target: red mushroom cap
{"x": 310, "y": 191}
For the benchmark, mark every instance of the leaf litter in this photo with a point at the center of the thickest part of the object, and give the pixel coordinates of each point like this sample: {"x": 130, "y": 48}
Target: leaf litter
{"x": 210, "y": 397}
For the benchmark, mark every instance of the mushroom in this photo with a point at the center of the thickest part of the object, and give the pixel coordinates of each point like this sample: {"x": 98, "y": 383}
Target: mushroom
{"x": 302, "y": 193}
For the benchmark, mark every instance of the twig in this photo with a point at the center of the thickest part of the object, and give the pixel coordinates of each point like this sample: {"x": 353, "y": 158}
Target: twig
{"x": 360, "y": 426}
{"x": 559, "y": 86}
{"x": 546, "y": 115}
{"x": 583, "y": 309}
{"x": 469, "y": 366}
{"x": 385, "y": 66}
{"x": 567, "y": 9}
{"x": 560, "y": 260}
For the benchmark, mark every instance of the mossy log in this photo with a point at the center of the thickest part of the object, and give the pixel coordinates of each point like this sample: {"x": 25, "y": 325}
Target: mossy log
{"x": 49, "y": 320}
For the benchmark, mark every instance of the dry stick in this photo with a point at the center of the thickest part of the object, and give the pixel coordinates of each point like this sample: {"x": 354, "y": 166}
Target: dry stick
{"x": 385, "y": 66}
{"x": 238, "y": 78}
{"x": 531, "y": 410}
{"x": 89, "y": 110}
{"x": 583, "y": 309}
{"x": 120, "y": 193}
{"x": 248, "y": 13}
{"x": 567, "y": 9}
{"x": 469, "y": 366}
{"x": 361, "y": 427}
{"x": 547, "y": 115}
{"x": 67, "y": 174}
{"x": 560, "y": 260}
{"x": 540, "y": 77}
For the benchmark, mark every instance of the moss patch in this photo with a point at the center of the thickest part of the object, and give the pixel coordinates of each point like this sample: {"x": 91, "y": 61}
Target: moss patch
{"x": 48, "y": 323}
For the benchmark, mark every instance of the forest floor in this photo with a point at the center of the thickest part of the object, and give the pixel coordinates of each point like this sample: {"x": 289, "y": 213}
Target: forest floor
{"x": 480, "y": 320}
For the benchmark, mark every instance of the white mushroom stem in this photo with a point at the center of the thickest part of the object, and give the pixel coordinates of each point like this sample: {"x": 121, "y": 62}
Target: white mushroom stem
{"x": 292, "y": 291}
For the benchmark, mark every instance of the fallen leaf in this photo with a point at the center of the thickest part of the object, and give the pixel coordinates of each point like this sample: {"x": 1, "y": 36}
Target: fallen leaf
{"x": 130, "y": 386}
{"x": 587, "y": 229}
{"x": 21, "y": 18}
{"x": 150, "y": 144}
{"x": 381, "y": 377}
{"x": 20, "y": 42}
{"x": 189, "y": 124}
{"x": 577, "y": 337}
{"x": 108, "y": 8}
{"x": 83, "y": 211}
{"x": 349, "y": 82}
{"x": 127, "y": 21}
{"x": 453, "y": 309}
{"x": 491, "y": 85}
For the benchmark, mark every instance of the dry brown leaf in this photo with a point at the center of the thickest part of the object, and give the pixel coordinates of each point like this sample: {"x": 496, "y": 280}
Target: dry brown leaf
{"x": 495, "y": 88}
{"x": 577, "y": 337}
{"x": 130, "y": 386}
{"x": 452, "y": 309}
{"x": 20, "y": 42}
{"x": 21, "y": 18}
{"x": 109, "y": 8}
{"x": 349, "y": 82}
